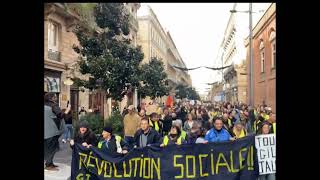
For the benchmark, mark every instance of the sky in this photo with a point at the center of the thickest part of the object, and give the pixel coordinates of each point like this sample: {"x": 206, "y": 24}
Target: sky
{"x": 197, "y": 30}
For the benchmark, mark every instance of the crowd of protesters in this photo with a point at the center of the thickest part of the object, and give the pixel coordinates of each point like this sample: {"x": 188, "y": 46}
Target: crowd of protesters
{"x": 184, "y": 123}
{"x": 187, "y": 123}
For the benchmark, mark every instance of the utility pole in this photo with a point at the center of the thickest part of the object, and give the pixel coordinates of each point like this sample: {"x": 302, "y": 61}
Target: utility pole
{"x": 222, "y": 95}
{"x": 251, "y": 56}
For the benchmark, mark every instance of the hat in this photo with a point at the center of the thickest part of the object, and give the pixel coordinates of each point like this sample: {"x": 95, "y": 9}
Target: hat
{"x": 108, "y": 129}
{"x": 83, "y": 124}
{"x": 130, "y": 107}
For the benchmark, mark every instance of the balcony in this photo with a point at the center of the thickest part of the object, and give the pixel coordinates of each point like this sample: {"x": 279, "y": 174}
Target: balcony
{"x": 54, "y": 55}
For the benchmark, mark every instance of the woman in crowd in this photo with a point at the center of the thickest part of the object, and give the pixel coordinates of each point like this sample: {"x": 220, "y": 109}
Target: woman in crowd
{"x": 239, "y": 130}
{"x": 189, "y": 123}
{"x": 174, "y": 137}
{"x": 84, "y": 136}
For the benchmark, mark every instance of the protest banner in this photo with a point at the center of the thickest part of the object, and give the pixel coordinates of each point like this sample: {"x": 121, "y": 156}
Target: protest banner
{"x": 217, "y": 161}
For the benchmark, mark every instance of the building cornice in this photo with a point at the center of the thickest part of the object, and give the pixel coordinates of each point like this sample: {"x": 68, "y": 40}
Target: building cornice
{"x": 54, "y": 65}
{"x": 61, "y": 9}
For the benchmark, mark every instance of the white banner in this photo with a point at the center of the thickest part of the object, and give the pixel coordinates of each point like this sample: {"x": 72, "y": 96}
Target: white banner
{"x": 266, "y": 151}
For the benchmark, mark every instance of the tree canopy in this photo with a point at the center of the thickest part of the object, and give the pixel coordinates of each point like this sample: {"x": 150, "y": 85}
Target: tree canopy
{"x": 110, "y": 59}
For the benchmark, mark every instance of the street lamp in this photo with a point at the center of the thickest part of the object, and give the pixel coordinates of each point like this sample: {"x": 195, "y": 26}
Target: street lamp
{"x": 250, "y": 50}
{"x": 68, "y": 81}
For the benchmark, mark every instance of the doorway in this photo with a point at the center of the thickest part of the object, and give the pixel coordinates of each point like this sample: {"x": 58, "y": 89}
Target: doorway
{"x": 74, "y": 101}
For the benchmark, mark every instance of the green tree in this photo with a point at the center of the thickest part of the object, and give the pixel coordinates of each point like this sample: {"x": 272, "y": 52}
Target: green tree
{"x": 183, "y": 91}
{"x": 192, "y": 94}
{"x": 153, "y": 78}
{"x": 108, "y": 57}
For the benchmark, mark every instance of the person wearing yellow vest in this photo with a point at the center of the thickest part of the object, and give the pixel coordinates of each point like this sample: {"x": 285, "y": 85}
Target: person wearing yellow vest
{"x": 112, "y": 144}
{"x": 155, "y": 122}
{"x": 238, "y": 130}
{"x": 266, "y": 116}
{"x": 227, "y": 122}
{"x": 214, "y": 113}
{"x": 178, "y": 122}
{"x": 146, "y": 136}
{"x": 272, "y": 121}
{"x": 258, "y": 124}
{"x": 174, "y": 137}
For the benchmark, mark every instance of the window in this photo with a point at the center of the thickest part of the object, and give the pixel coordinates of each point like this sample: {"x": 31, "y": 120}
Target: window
{"x": 53, "y": 36}
{"x": 262, "y": 57}
{"x": 272, "y": 39}
{"x": 152, "y": 33}
{"x": 262, "y": 60}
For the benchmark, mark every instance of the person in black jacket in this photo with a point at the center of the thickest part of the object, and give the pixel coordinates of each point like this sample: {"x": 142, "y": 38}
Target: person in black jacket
{"x": 68, "y": 128}
{"x": 53, "y": 128}
{"x": 167, "y": 122}
{"x": 146, "y": 135}
{"x": 84, "y": 136}
{"x": 112, "y": 144}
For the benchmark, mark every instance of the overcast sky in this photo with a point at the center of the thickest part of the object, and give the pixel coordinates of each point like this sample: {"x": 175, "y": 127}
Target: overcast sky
{"x": 197, "y": 30}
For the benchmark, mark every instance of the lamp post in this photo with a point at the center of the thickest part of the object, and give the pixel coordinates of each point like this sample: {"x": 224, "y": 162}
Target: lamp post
{"x": 251, "y": 96}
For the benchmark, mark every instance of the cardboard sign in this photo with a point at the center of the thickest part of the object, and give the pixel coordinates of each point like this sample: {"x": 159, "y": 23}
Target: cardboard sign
{"x": 266, "y": 151}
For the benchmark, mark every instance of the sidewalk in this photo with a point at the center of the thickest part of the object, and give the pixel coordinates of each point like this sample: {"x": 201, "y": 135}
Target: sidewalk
{"x": 62, "y": 159}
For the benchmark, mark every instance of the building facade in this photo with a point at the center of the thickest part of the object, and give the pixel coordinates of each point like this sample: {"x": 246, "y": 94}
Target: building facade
{"x": 157, "y": 42}
{"x": 234, "y": 54}
{"x": 60, "y": 58}
{"x": 175, "y": 76}
{"x": 215, "y": 94}
{"x": 264, "y": 58}
{"x": 151, "y": 36}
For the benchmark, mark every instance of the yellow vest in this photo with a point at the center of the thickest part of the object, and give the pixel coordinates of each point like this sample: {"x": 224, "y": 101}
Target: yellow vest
{"x": 255, "y": 123}
{"x": 229, "y": 122}
{"x": 156, "y": 125}
{"x": 241, "y": 135}
{"x": 183, "y": 134}
{"x": 166, "y": 140}
{"x": 274, "y": 127}
{"x": 214, "y": 114}
{"x": 118, "y": 140}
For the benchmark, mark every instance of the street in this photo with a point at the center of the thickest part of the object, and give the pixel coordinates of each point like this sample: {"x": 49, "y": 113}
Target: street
{"x": 62, "y": 159}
